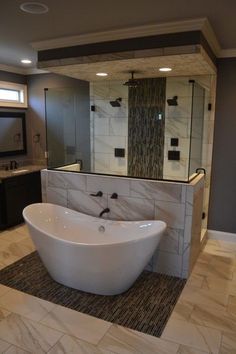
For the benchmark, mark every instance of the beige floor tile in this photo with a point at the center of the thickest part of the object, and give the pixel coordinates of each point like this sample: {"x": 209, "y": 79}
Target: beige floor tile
{"x": 204, "y": 297}
{"x": 72, "y": 345}
{"x": 195, "y": 280}
{"x": 17, "y": 350}
{"x": 228, "y": 344}
{"x": 3, "y": 313}
{"x": 217, "y": 248}
{"x": 221, "y": 261}
{"x": 183, "y": 349}
{"x": 231, "y": 308}
{"x": 77, "y": 324}
{"x": 219, "y": 285}
{"x": 27, "y": 334}
{"x": 22, "y": 229}
{"x": 122, "y": 340}
{"x": 198, "y": 337}
{"x": 13, "y": 235}
{"x": 26, "y": 305}
{"x": 210, "y": 317}
{"x": 204, "y": 269}
{"x": 4, "y": 289}
{"x": 182, "y": 310}
{"x": 204, "y": 257}
{"x": 4, "y": 346}
{"x": 11, "y": 252}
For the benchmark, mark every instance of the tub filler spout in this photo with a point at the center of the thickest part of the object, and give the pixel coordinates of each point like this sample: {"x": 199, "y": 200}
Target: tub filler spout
{"x": 105, "y": 211}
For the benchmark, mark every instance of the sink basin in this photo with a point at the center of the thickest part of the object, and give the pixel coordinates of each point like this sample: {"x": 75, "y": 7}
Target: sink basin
{"x": 19, "y": 171}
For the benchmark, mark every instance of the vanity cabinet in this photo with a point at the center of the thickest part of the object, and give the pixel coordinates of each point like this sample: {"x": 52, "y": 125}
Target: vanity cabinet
{"x": 15, "y": 194}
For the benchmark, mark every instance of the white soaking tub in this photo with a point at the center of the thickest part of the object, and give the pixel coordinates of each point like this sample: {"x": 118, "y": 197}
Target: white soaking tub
{"x": 91, "y": 254}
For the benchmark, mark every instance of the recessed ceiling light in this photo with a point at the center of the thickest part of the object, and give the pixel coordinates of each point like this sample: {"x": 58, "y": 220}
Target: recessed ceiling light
{"x": 35, "y": 8}
{"x": 26, "y": 61}
{"x": 165, "y": 69}
{"x": 101, "y": 74}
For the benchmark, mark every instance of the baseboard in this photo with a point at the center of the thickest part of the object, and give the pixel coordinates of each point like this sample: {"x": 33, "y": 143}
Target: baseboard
{"x": 221, "y": 235}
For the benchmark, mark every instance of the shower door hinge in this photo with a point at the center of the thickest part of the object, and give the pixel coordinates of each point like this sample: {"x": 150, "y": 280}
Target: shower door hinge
{"x": 209, "y": 106}
{"x": 46, "y": 154}
{"x": 93, "y": 108}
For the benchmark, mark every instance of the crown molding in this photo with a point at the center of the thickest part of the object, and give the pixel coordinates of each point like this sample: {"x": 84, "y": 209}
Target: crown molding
{"x": 201, "y": 24}
{"x": 210, "y": 36}
{"x": 228, "y": 53}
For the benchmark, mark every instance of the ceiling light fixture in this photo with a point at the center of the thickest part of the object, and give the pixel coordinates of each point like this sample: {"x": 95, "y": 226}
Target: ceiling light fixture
{"x": 101, "y": 74}
{"x": 26, "y": 61}
{"x": 35, "y": 8}
{"x": 165, "y": 69}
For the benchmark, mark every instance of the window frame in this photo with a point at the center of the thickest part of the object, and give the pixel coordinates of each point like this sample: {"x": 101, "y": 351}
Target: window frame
{"x": 21, "y": 88}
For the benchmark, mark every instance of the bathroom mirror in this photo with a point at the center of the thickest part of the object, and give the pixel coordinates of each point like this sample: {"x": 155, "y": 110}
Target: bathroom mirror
{"x": 155, "y": 129}
{"x": 12, "y": 134}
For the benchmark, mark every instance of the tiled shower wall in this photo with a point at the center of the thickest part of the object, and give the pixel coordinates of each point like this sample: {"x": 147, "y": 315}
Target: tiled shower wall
{"x": 109, "y": 127}
{"x": 179, "y": 205}
{"x": 178, "y": 125}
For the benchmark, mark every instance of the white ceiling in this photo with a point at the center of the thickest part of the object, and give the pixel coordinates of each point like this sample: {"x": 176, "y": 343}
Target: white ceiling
{"x": 74, "y": 17}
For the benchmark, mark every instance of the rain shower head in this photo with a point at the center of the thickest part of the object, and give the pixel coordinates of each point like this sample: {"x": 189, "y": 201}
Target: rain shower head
{"x": 132, "y": 82}
{"x": 116, "y": 103}
{"x": 172, "y": 101}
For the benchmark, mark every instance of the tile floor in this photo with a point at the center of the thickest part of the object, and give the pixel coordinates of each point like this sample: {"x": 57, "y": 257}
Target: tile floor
{"x": 203, "y": 321}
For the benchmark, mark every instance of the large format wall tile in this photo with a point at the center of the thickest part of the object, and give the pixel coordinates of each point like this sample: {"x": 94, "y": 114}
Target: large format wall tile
{"x": 172, "y": 241}
{"x": 167, "y": 263}
{"x": 168, "y": 192}
{"x": 139, "y": 200}
{"x": 57, "y": 196}
{"x": 109, "y": 185}
{"x": 85, "y": 203}
{"x": 172, "y": 213}
{"x": 125, "y": 208}
{"x": 66, "y": 180}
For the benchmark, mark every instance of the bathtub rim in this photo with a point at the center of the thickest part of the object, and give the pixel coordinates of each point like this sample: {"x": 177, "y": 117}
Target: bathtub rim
{"x": 162, "y": 229}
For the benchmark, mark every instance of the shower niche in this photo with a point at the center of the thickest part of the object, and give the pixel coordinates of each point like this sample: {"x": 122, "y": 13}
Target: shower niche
{"x": 156, "y": 128}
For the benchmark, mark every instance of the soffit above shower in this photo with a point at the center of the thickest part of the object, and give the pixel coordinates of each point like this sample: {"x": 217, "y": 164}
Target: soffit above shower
{"x": 145, "y": 63}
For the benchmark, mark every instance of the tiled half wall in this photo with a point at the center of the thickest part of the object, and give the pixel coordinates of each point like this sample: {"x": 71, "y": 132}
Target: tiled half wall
{"x": 178, "y": 204}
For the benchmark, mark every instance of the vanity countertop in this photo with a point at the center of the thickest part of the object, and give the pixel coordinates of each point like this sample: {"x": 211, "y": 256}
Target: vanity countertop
{"x": 23, "y": 170}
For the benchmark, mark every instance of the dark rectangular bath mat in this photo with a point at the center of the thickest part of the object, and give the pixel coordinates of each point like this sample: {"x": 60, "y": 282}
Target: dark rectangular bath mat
{"x": 145, "y": 307}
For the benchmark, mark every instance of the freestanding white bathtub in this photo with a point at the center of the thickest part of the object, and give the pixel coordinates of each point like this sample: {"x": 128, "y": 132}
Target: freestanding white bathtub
{"x": 91, "y": 254}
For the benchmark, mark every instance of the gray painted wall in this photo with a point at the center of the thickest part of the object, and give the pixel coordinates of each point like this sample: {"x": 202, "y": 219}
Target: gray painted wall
{"x": 222, "y": 213}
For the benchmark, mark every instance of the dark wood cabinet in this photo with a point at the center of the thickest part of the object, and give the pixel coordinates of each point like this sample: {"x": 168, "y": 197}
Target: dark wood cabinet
{"x": 15, "y": 194}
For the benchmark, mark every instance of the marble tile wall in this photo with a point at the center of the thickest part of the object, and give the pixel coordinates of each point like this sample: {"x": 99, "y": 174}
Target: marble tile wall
{"x": 178, "y": 125}
{"x": 109, "y": 127}
{"x": 178, "y": 204}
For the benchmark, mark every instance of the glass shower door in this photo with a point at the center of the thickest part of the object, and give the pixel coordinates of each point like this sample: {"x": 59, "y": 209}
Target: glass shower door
{"x": 196, "y": 133}
{"x": 60, "y": 122}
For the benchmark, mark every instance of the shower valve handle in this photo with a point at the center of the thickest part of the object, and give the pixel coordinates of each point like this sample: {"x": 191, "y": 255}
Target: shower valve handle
{"x": 98, "y": 194}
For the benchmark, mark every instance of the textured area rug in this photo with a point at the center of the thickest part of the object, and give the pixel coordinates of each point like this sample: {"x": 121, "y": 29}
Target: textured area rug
{"x": 145, "y": 307}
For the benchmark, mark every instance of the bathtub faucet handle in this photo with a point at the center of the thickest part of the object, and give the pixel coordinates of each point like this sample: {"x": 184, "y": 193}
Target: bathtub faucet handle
{"x": 114, "y": 196}
{"x": 98, "y": 194}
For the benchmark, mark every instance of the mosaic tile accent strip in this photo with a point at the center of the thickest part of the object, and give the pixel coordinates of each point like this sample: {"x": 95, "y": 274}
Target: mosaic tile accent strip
{"x": 145, "y": 307}
{"x": 146, "y": 128}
